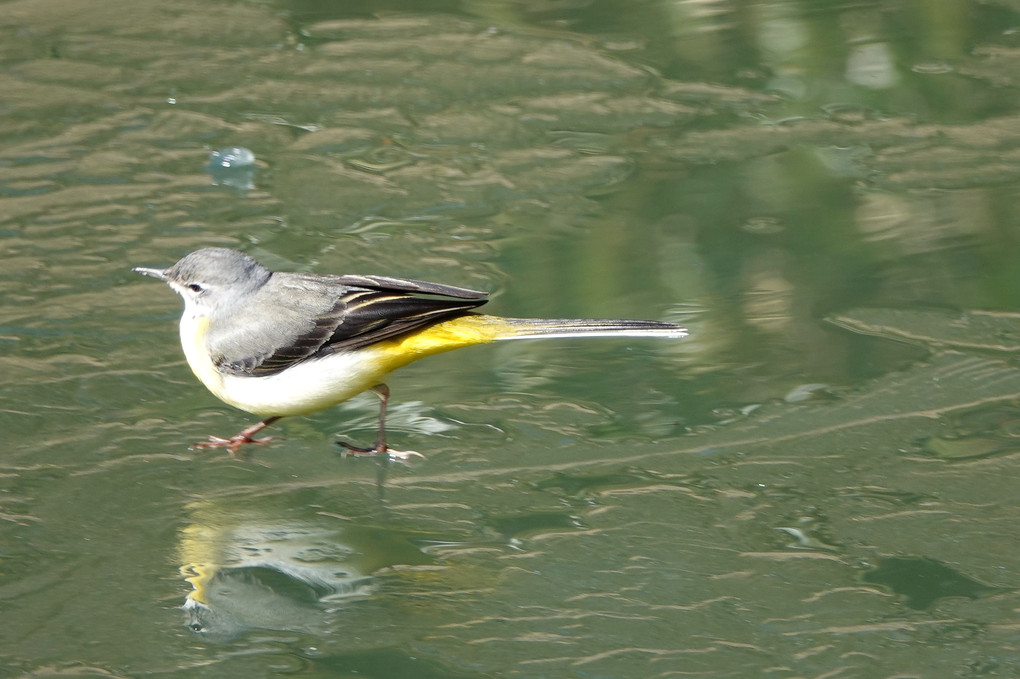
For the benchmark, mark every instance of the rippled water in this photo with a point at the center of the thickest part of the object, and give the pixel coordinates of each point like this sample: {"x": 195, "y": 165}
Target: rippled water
{"x": 820, "y": 481}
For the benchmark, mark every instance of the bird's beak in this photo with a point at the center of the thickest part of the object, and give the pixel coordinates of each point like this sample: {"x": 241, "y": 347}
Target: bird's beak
{"x": 161, "y": 274}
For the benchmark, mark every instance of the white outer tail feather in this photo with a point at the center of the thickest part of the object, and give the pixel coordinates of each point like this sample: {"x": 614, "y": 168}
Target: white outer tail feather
{"x": 538, "y": 328}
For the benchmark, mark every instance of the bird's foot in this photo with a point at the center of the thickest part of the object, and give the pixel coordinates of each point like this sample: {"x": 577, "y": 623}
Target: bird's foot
{"x": 379, "y": 449}
{"x": 233, "y": 444}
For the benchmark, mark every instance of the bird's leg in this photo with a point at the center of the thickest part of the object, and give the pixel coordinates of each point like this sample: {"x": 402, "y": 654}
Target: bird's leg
{"x": 234, "y": 443}
{"x": 383, "y": 392}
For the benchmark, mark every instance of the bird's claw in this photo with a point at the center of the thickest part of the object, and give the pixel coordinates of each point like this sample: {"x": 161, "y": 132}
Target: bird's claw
{"x": 402, "y": 455}
{"x": 232, "y": 444}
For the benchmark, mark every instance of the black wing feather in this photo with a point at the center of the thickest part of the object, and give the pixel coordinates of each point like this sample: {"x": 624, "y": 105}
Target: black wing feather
{"x": 379, "y": 309}
{"x": 387, "y": 284}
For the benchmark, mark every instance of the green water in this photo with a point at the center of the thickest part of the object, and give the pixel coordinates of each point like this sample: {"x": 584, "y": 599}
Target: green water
{"x": 820, "y": 481}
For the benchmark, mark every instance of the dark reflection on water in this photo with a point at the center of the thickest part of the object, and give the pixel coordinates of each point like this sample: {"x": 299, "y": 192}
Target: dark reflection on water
{"x": 819, "y": 481}
{"x": 924, "y": 581}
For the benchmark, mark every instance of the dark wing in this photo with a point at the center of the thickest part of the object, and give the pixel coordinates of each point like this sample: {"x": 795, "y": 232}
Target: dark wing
{"x": 387, "y": 284}
{"x": 357, "y": 311}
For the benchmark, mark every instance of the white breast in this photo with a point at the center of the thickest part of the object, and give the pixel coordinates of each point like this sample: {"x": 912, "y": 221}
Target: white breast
{"x": 307, "y": 387}
{"x": 304, "y": 388}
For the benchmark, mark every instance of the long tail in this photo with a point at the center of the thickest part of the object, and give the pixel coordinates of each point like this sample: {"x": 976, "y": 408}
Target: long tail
{"x": 538, "y": 328}
{"x": 471, "y": 329}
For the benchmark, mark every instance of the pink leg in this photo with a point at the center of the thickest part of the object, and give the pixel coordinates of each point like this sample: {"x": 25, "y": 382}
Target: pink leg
{"x": 383, "y": 392}
{"x": 234, "y": 443}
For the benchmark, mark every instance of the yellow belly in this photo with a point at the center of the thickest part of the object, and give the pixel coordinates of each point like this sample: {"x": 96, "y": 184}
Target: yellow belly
{"x": 446, "y": 336}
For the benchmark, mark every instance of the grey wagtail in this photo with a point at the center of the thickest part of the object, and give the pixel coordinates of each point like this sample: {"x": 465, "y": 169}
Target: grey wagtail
{"x": 277, "y": 344}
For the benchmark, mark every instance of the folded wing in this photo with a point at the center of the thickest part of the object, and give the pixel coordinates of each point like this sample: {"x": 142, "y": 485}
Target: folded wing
{"x": 331, "y": 314}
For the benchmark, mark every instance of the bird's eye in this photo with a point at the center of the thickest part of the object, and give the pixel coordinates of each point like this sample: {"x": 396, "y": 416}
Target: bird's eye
{"x": 195, "y": 287}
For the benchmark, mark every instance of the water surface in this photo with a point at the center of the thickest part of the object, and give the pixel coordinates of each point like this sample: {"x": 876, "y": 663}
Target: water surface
{"x": 820, "y": 481}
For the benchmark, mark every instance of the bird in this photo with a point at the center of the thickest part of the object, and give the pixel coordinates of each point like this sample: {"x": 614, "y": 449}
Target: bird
{"x": 279, "y": 344}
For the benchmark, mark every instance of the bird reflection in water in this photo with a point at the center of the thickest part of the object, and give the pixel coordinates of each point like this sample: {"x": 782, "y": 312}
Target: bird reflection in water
{"x": 252, "y": 570}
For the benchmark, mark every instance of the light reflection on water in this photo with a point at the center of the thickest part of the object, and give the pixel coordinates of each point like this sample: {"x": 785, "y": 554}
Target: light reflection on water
{"x": 818, "y": 480}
